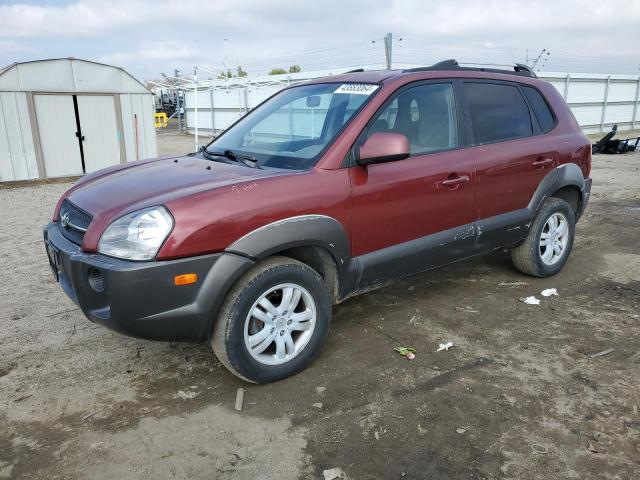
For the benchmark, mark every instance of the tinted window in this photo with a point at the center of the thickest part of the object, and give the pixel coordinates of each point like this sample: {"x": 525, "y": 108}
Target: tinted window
{"x": 498, "y": 112}
{"x": 540, "y": 108}
{"x": 425, "y": 114}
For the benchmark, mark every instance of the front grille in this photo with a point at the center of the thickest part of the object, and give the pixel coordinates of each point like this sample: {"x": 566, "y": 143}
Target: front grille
{"x": 73, "y": 222}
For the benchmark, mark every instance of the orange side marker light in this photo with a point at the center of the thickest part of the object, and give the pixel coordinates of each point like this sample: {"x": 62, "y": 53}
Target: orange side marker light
{"x": 185, "y": 279}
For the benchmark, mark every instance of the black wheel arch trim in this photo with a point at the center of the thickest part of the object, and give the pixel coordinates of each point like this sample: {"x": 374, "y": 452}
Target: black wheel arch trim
{"x": 301, "y": 231}
{"x": 566, "y": 175}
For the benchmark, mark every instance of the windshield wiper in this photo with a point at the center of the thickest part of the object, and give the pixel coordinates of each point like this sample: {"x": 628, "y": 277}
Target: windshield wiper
{"x": 247, "y": 160}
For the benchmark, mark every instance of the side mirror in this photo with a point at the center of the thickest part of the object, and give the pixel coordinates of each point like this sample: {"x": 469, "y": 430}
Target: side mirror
{"x": 384, "y": 147}
{"x": 313, "y": 101}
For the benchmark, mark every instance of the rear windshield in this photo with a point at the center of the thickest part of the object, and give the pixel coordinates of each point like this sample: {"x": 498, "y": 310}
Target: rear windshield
{"x": 292, "y": 129}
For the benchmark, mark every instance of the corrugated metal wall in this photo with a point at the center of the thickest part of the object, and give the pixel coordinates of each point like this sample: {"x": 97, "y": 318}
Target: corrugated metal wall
{"x": 597, "y": 101}
{"x": 17, "y": 152}
{"x": 137, "y": 109}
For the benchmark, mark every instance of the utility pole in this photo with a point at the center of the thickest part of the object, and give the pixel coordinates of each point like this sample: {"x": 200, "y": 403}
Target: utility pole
{"x": 195, "y": 103}
{"x": 388, "y": 51}
{"x": 226, "y": 67}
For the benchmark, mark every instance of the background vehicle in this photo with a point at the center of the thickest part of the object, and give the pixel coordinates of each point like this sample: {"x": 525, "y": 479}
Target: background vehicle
{"x": 326, "y": 190}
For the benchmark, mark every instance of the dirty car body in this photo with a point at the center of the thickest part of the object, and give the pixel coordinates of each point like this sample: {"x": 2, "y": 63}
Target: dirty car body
{"x": 355, "y": 181}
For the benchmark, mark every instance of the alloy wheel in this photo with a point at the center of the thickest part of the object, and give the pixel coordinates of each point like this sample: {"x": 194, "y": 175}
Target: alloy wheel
{"x": 280, "y": 324}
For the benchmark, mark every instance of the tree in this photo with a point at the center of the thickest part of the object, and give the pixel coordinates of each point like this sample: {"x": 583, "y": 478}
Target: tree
{"x": 228, "y": 74}
{"x": 277, "y": 71}
{"x": 241, "y": 72}
{"x": 295, "y": 69}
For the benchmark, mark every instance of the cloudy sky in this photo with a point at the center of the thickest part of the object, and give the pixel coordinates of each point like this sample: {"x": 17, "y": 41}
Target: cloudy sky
{"x": 148, "y": 37}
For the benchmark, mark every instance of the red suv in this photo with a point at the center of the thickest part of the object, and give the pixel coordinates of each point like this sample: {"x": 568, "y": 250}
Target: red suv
{"x": 327, "y": 189}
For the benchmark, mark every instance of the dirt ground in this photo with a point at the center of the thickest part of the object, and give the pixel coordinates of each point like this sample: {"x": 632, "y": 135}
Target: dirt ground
{"x": 518, "y": 396}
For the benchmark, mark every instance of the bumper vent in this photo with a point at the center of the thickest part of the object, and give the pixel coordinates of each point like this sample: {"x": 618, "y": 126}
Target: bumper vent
{"x": 73, "y": 222}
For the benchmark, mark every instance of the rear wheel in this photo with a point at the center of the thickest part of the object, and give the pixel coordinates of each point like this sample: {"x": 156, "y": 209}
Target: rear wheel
{"x": 274, "y": 321}
{"x": 548, "y": 244}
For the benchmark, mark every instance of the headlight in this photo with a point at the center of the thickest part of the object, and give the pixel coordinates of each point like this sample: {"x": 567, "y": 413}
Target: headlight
{"x": 138, "y": 235}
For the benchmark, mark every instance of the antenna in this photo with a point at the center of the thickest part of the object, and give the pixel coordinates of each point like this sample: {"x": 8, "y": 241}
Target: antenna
{"x": 543, "y": 54}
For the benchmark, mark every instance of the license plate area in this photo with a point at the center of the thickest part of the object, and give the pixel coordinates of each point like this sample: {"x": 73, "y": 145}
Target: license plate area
{"x": 54, "y": 259}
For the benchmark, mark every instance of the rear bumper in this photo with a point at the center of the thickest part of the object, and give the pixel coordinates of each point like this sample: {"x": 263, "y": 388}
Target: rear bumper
{"x": 586, "y": 193}
{"x": 140, "y": 298}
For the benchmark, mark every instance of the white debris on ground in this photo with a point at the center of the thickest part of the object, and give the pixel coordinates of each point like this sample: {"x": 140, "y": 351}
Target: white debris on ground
{"x": 239, "y": 399}
{"x": 530, "y": 300}
{"x": 547, "y": 292}
{"x": 335, "y": 474}
{"x": 189, "y": 394}
{"x": 444, "y": 346}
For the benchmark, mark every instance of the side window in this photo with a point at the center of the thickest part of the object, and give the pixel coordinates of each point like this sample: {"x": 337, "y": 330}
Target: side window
{"x": 540, "y": 108}
{"x": 497, "y": 111}
{"x": 425, "y": 114}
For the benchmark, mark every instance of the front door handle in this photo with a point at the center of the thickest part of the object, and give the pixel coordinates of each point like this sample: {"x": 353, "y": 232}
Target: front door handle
{"x": 453, "y": 182}
{"x": 541, "y": 163}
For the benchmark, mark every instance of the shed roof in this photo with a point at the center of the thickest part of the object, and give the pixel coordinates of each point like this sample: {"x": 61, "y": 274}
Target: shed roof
{"x": 69, "y": 75}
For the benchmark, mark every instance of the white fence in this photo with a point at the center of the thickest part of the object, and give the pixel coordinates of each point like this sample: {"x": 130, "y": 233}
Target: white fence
{"x": 598, "y": 101}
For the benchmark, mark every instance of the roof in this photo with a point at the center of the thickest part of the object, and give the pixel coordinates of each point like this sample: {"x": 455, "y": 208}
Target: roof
{"x": 449, "y": 68}
{"x": 369, "y": 76}
{"x": 70, "y": 75}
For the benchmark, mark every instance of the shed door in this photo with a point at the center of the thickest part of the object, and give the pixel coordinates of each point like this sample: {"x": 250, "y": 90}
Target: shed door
{"x": 101, "y": 145}
{"x": 57, "y": 128}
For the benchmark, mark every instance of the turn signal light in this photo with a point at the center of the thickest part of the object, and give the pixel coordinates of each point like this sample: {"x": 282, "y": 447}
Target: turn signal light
{"x": 186, "y": 279}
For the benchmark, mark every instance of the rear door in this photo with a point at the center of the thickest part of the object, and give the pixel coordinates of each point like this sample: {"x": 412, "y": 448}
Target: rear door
{"x": 512, "y": 157}
{"x": 101, "y": 142}
{"x": 414, "y": 214}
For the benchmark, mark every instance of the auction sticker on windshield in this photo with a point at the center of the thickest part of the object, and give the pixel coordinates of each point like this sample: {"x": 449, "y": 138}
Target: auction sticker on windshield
{"x": 357, "y": 88}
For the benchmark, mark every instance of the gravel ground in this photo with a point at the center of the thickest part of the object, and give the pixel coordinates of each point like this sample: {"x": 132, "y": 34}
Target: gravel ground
{"x": 518, "y": 396}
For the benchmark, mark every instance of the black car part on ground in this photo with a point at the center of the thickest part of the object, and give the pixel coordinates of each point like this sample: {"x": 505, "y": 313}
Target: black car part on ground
{"x": 612, "y": 146}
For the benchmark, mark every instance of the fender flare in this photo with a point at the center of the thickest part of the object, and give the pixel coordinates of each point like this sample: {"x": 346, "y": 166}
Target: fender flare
{"x": 299, "y": 231}
{"x": 566, "y": 175}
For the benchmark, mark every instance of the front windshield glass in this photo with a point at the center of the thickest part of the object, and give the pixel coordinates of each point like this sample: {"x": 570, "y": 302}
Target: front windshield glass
{"x": 292, "y": 129}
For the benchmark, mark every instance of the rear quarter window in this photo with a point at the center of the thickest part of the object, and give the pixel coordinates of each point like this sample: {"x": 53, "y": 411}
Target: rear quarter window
{"x": 497, "y": 111}
{"x": 540, "y": 107}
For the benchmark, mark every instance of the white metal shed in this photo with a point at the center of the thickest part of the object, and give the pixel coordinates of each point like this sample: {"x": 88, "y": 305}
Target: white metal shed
{"x": 67, "y": 117}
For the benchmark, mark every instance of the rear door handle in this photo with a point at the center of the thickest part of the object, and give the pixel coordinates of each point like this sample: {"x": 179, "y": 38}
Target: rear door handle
{"x": 542, "y": 162}
{"x": 455, "y": 180}
{"x": 453, "y": 183}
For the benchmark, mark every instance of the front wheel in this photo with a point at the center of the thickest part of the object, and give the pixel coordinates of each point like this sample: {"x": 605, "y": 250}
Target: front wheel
{"x": 273, "y": 322}
{"x": 548, "y": 244}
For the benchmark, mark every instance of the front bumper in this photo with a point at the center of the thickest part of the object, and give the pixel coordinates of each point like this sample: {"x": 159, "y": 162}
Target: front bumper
{"x": 140, "y": 298}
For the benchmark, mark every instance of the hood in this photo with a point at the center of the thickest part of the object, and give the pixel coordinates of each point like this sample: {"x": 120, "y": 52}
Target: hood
{"x": 157, "y": 182}
{"x": 112, "y": 193}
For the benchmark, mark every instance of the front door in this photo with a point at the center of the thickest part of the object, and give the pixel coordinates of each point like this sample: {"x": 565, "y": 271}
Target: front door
{"x": 414, "y": 214}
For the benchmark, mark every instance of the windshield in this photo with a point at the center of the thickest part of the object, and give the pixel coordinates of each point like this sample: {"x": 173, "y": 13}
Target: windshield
{"x": 293, "y": 128}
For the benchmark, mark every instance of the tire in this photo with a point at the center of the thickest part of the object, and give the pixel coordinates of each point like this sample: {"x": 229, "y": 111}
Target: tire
{"x": 238, "y": 327}
{"x": 532, "y": 256}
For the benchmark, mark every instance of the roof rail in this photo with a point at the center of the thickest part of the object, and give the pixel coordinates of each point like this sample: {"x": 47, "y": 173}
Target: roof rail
{"x": 453, "y": 65}
{"x": 357, "y": 70}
